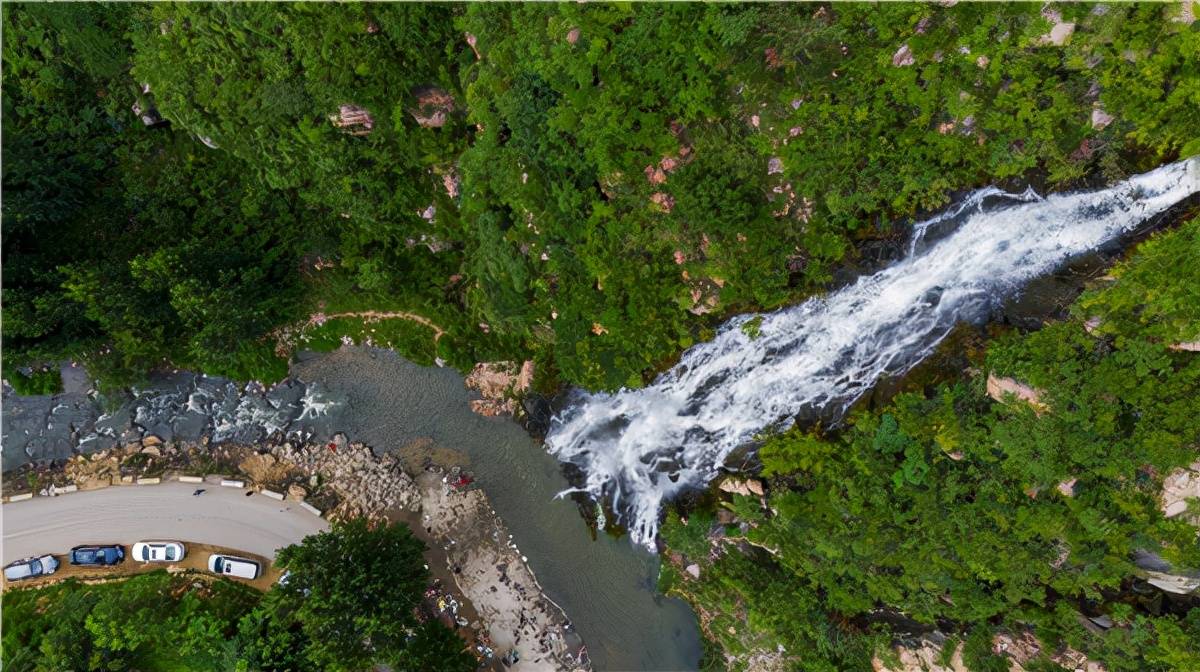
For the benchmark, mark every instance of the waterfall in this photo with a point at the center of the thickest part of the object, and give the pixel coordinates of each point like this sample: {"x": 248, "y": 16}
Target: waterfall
{"x": 642, "y": 447}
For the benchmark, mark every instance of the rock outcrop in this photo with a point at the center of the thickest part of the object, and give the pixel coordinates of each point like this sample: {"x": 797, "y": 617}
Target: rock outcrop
{"x": 742, "y": 486}
{"x": 434, "y": 106}
{"x": 923, "y": 656}
{"x": 1179, "y": 487}
{"x": 999, "y": 388}
{"x": 500, "y": 384}
{"x": 353, "y": 119}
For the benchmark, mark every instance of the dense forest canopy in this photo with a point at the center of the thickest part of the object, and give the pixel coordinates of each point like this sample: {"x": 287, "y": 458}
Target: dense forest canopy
{"x": 595, "y": 187}
{"x": 592, "y": 186}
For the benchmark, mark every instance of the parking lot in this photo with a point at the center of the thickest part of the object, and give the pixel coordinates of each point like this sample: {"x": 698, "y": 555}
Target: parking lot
{"x": 195, "y": 560}
{"x": 219, "y": 520}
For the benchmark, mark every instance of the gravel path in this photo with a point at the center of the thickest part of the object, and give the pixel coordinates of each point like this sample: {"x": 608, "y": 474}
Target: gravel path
{"x": 127, "y": 514}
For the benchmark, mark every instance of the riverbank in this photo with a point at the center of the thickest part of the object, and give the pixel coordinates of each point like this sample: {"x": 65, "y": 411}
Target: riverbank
{"x": 499, "y": 608}
{"x": 422, "y": 415}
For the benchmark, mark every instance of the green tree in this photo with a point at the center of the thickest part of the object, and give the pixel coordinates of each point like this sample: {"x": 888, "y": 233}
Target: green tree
{"x": 434, "y": 648}
{"x": 353, "y": 590}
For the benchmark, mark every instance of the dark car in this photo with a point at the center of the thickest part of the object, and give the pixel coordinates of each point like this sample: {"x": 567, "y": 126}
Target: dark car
{"x": 97, "y": 555}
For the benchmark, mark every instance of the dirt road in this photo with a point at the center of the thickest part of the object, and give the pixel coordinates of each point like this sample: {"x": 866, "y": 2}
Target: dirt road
{"x": 126, "y": 514}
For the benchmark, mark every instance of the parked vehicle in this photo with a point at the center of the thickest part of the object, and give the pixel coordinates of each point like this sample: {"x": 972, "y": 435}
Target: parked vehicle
{"x": 228, "y": 565}
{"x": 97, "y": 555}
{"x": 30, "y": 568}
{"x": 158, "y": 551}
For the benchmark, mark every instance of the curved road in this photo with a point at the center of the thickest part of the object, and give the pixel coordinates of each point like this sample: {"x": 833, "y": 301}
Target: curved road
{"x": 126, "y": 514}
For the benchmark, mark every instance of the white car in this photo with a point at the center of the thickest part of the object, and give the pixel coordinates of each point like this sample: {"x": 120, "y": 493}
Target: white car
{"x": 229, "y": 565}
{"x": 158, "y": 551}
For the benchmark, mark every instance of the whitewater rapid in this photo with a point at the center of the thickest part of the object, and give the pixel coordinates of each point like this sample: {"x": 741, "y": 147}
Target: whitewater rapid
{"x": 643, "y": 447}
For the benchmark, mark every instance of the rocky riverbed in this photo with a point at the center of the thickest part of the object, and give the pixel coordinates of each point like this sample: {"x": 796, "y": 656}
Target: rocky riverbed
{"x": 179, "y": 406}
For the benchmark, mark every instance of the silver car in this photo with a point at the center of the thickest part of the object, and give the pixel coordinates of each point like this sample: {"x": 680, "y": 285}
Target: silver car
{"x": 30, "y": 568}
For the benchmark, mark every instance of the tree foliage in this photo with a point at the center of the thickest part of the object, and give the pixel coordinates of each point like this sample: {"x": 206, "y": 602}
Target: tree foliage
{"x": 606, "y": 182}
{"x": 354, "y": 590}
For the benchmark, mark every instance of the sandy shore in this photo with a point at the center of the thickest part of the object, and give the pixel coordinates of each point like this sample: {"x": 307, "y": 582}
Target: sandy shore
{"x": 491, "y": 573}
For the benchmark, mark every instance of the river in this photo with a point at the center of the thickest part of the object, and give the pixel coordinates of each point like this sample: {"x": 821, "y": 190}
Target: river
{"x": 605, "y": 585}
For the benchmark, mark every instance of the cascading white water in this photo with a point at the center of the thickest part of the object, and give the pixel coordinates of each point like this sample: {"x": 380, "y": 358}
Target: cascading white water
{"x": 644, "y": 446}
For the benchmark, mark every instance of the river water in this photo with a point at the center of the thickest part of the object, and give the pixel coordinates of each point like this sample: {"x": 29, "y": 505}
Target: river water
{"x": 605, "y": 585}
{"x": 640, "y": 448}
